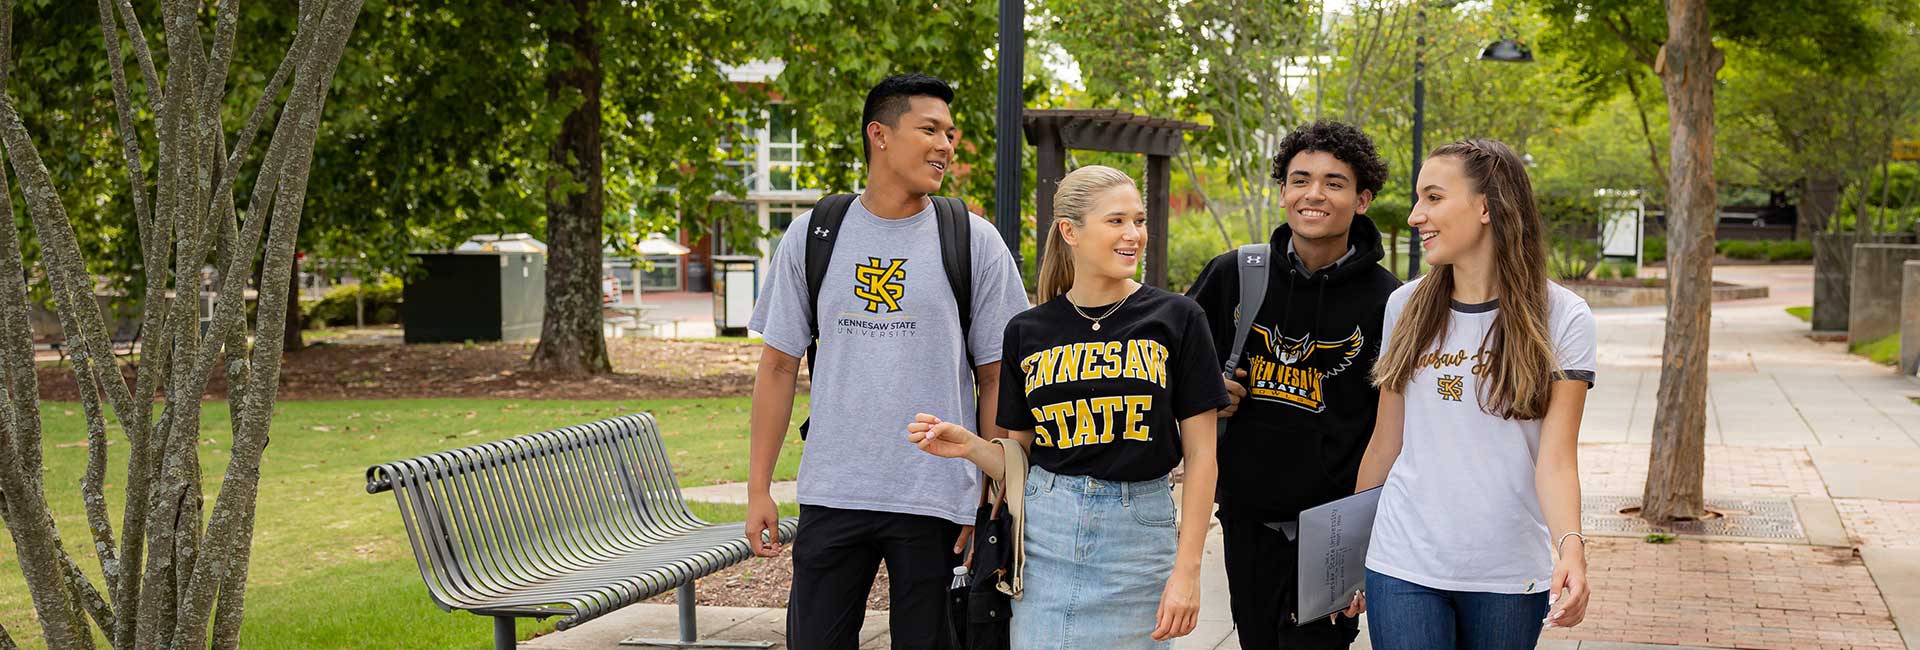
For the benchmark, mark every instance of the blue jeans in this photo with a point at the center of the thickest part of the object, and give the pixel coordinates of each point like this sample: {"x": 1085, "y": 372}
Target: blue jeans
{"x": 1098, "y": 557}
{"x": 1405, "y": 616}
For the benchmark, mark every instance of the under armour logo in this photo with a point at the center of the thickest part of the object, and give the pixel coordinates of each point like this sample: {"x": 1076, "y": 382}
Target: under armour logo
{"x": 820, "y": 232}
{"x": 1253, "y": 259}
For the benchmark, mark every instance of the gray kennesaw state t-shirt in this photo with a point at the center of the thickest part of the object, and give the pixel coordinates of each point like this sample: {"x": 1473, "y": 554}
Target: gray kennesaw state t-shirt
{"x": 889, "y": 348}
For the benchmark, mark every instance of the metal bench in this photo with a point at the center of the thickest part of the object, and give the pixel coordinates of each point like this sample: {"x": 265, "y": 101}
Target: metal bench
{"x": 576, "y": 522}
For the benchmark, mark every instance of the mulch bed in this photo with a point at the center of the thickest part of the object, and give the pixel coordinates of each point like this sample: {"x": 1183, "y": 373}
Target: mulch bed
{"x": 644, "y": 368}
{"x": 763, "y": 582}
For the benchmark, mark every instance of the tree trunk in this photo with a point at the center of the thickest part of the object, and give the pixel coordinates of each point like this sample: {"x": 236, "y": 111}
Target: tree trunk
{"x": 1678, "y": 461}
{"x": 295, "y": 321}
{"x": 570, "y": 338}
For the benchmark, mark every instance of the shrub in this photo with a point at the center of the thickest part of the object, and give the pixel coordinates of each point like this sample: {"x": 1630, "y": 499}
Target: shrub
{"x": 1654, "y": 249}
{"x": 1740, "y": 249}
{"x": 382, "y": 304}
{"x": 1789, "y": 250}
{"x": 1193, "y": 240}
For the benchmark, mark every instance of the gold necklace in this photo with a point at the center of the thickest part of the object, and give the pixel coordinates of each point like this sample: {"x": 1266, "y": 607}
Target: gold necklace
{"x": 1110, "y": 310}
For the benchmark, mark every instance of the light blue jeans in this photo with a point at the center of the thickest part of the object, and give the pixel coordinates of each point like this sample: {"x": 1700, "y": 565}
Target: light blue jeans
{"x": 1098, "y": 558}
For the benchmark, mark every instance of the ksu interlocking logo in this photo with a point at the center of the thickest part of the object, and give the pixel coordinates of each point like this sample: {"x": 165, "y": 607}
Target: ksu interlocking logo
{"x": 879, "y": 283}
{"x": 1451, "y": 387}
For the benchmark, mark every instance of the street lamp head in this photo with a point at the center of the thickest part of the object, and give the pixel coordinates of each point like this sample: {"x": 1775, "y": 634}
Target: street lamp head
{"x": 1508, "y": 50}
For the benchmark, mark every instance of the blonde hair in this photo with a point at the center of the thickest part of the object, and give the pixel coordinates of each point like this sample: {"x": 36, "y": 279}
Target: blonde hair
{"x": 1519, "y": 380}
{"x": 1071, "y": 203}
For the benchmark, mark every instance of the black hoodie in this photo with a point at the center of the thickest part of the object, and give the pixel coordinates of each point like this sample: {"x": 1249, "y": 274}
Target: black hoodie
{"x": 1297, "y": 438}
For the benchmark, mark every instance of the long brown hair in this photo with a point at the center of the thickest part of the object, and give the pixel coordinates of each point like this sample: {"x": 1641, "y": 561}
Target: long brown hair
{"x": 1519, "y": 378}
{"x": 1071, "y": 203}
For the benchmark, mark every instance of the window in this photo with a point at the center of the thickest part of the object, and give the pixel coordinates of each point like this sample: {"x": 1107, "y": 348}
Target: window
{"x": 785, "y": 151}
{"x": 779, "y": 217}
{"x": 739, "y": 156}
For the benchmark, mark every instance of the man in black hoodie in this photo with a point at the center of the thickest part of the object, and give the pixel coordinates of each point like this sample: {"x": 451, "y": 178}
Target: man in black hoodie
{"x": 1304, "y": 404}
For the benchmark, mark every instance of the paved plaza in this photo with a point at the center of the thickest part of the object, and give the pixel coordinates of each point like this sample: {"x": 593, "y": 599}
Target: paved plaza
{"x": 1814, "y": 451}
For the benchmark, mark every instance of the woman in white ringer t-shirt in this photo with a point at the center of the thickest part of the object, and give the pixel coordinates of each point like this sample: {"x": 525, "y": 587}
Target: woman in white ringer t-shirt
{"x": 1482, "y": 382}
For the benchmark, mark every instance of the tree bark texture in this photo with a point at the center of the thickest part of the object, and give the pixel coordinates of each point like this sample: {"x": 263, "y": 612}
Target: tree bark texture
{"x": 1677, "y": 463}
{"x": 570, "y": 336}
{"x": 167, "y": 575}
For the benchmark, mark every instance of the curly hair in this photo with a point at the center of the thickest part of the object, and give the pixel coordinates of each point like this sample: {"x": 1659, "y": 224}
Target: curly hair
{"x": 1342, "y": 140}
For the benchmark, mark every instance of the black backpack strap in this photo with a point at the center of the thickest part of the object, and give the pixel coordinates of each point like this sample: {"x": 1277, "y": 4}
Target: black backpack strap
{"x": 956, "y": 255}
{"x": 822, "y": 227}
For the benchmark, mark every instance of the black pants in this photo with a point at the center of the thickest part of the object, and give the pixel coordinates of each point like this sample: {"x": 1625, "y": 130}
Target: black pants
{"x": 1262, "y": 570}
{"x": 835, "y": 556}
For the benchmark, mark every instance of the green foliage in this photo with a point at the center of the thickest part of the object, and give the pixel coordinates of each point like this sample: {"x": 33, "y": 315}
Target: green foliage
{"x": 831, "y": 63}
{"x": 381, "y": 303}
{"x": 1660, "y": 538}
{"x": 1742, "y": 249}
{"x": 325, "y": 545}
{"x": 1790, "y": 251}
{"x": 1768, "y": 250}
{"x": 1885, "y": 351}
{"x": 1653, "y": 249}
{"x": 1805, "y": 314}
{"x": 1193, "y": 240}
{"x": 1573, "y": 225}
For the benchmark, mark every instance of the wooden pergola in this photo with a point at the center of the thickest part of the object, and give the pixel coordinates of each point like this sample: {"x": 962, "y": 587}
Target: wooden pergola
{"x": 1053, "y": 131}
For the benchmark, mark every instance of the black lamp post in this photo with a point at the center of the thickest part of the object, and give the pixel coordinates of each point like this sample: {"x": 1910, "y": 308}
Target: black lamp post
{"x": 1008, "y": 107}
{"x": 1505, "y": 49}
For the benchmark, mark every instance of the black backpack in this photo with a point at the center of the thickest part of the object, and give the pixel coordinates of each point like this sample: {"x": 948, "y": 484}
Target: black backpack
{"x": 956, "y": 256}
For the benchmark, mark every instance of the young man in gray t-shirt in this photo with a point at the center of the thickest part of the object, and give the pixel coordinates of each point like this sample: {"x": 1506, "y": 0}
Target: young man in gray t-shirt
{"x": 890, "y": 346}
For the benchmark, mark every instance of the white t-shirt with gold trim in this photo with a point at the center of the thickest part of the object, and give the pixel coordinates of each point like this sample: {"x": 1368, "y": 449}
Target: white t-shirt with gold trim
{"x": 1459, "y": 511}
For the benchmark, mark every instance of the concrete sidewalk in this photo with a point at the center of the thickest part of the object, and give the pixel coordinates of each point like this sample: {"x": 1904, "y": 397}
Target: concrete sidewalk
{"x": 1832, "y": 439}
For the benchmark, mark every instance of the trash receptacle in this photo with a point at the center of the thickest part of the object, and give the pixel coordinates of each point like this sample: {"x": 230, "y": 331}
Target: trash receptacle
{"x": 736, "y": 285}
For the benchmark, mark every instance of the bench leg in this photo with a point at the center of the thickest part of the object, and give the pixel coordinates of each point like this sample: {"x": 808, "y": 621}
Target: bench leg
{"x": 689, "y": 630}
{"x": 689, "y": 626}
{"x": 503, "y": 633}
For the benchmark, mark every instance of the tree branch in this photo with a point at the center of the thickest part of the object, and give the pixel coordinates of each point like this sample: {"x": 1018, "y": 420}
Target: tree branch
{"x": 156, "y": 96}
{"x": 1646, "y": 128}
{"x": 1638, "y": 50}
{"x": 233, "y": 511}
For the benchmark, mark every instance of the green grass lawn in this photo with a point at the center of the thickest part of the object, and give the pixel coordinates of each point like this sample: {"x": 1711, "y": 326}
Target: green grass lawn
{"x": 1805, "y": 314}
{"x": 1885, "y": 351}
{"x": 332, "y": 567}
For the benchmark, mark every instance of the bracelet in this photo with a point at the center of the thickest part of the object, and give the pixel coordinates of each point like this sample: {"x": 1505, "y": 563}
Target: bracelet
{"x": 1563, "y": 540}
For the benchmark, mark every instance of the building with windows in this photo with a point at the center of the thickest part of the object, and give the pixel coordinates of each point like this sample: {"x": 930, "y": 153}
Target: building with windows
{"x": 774, "y": 193}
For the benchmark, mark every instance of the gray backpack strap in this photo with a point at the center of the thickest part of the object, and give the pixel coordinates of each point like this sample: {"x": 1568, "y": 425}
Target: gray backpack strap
{"x": 1253, "y": 289}
{"x": 1252, "y": 262}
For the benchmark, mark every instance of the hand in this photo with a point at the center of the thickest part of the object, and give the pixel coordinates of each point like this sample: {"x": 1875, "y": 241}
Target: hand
{"x": 763, "y": 516}
{"x": 1235, "y": 392}
{"x": 943, "y": 439}
{"x": 960, "y": 546}
{"x": 1567, "y": 602}
{"x": 1354, "y": 610}
{"x": 1179, "y": 606}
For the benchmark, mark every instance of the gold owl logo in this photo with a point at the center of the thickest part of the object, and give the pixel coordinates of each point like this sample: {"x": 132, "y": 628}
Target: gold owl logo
{"x": 879, "y": 283}
{"x": 1451, "y": 387}
{"x": 1293, "y": 370}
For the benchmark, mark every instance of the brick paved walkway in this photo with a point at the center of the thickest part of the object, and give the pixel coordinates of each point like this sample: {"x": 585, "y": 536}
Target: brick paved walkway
{"x": 1733, "y": 595}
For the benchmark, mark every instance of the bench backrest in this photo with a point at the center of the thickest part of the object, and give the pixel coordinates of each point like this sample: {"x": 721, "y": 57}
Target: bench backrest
{"x": 516, "y": 510}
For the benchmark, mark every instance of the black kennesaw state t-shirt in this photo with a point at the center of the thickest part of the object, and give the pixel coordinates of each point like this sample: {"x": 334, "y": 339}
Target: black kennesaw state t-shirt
{"x": 1107, "y": 404}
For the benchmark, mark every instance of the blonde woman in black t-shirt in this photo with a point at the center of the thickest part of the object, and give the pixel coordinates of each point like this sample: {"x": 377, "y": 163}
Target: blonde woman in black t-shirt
{"x": 1108, "y": 384}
